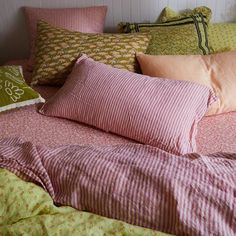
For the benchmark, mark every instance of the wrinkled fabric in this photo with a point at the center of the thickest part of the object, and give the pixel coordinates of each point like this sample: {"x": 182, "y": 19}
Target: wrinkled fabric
{"x": 23, "y": 204}
{"x": 142, "y": 185}
{"x": 215, "y": 134}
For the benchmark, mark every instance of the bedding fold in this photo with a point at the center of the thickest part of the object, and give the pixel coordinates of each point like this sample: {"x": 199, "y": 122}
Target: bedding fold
{"x": 23, "y": 204}
{"x": 138, "y": 184}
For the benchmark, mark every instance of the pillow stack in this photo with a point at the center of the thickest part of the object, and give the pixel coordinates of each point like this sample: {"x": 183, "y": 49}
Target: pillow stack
{"x": 14, "y": 92}
{"x": 176, "y": 34}
{"x": 102, "y": 87}
{"x": 87, "y": 20}
{"x": 180, "y": 36}
{"x": 221, "y": 36}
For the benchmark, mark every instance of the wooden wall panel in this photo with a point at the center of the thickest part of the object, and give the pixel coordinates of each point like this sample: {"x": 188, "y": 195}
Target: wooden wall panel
{"x": 13, "y": 34}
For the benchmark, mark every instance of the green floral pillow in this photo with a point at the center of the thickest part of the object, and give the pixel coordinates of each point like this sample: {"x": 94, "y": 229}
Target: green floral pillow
{"x": 178, "y": 37}
{"x": 57, "y": 50}
{"x": 14, "y": 92}
{"x": 168, "y": 14}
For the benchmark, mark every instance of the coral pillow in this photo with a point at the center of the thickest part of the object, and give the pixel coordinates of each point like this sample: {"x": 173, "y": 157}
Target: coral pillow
{"x": 87, "y": 20}
{"x": 216, "y": 71}
{"x": 153, "y": 111}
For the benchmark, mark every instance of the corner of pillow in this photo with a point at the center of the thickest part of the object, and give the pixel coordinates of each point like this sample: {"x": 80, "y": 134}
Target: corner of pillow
{"x": 212, "y": 97}
{"x": 82, "y": 57}
{"x": 41, "y": 109}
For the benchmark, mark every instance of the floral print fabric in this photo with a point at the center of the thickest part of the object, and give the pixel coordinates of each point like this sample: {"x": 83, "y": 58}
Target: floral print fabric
{"x": 23, "y": 204}
{"x": 14, "y": 92}
{"x": 58, "y": 49}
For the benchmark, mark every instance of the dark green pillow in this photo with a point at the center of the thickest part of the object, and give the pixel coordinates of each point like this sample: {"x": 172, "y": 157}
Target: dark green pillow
{"x": 184, "y": 36}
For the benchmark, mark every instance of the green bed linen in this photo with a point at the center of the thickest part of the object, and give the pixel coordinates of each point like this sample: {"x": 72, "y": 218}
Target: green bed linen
{"x": 26, "y": 209}
{"x": 222, "y": 37}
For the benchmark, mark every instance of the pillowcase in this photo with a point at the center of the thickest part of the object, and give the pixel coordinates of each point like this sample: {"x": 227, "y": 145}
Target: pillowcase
{"x": 216, "y": 71}
{"x": 222, "y": 36}
{"x": 14, "y": 92}
{"x": 87, "y": 20}
{"x": 153, "y": 111}
{"x": 168, "y": 14}
{"x": 183, "y": 36}
{"x": 58, "y": 49}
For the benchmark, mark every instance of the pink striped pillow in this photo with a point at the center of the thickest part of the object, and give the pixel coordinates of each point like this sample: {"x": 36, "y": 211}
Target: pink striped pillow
{"x": 159, "y": 112}
{"x": 86, "y": 20}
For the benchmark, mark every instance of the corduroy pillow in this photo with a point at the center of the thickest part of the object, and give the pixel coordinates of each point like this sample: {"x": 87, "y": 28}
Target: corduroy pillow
{"x": 216, "y": 71}
{"x": 87, "y": 20}
{"x": 159, "y": 112}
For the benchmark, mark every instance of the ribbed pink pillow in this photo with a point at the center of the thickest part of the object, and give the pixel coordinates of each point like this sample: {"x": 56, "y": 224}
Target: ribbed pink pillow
{"x": 159, "y": 112}
{"x": 86, "y": 20}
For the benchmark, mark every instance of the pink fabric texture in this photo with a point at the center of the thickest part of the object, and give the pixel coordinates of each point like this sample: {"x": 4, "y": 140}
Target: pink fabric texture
{"x": 150, "y": 110}
{"x": 87, "y": 20}
{"x": 215, "y": 134}
{"x": 142, "y": 185}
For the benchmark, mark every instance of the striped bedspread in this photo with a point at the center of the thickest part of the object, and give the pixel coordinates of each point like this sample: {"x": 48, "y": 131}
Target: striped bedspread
{"x": 141, "y": 185}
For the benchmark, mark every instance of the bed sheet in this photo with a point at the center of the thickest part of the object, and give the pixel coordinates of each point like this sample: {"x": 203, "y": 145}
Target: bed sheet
{"x": 215, "y": 134}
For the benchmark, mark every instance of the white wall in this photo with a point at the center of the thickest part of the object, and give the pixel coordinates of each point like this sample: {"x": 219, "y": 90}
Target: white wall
{"x": 13, "y": 33}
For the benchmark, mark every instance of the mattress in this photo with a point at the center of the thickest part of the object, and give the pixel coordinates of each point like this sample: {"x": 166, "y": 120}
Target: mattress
{"x": 215, "y": 134}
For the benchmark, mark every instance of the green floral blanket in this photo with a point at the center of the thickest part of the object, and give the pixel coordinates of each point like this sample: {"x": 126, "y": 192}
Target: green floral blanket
{"x": 26, "y": 209}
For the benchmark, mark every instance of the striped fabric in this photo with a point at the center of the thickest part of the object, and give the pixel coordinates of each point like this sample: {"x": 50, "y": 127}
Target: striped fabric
{"x": 87, "y": 20}
{"x": 142, "y": 185}
{"x": 159, "y": 112}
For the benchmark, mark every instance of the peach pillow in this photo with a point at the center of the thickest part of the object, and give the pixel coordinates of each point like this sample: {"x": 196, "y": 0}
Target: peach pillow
{"x": 217, "y": 71}
{"x": 86, "y": 20}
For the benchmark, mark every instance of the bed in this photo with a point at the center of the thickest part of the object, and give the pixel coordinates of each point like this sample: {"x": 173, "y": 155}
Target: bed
{"x": 24, "y": 204}
{"x": 216, "y": 134}
{"x": 144, "y": 175}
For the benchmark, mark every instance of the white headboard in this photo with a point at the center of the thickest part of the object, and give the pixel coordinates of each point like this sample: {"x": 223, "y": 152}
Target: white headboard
{"x": 14, "y": 38}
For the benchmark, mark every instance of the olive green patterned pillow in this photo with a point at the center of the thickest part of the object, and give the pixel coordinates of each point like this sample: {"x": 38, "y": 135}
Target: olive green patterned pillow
{"x": 168, "y": 14}
{"x": 222, "y": 37}
{"x": 178, "y": 37}
{"x": 14, "y": 92}
{"x": 57, "y": 50}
